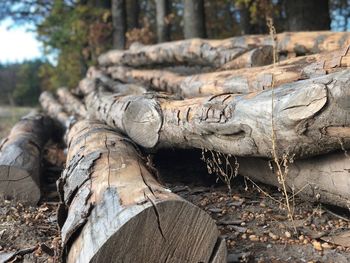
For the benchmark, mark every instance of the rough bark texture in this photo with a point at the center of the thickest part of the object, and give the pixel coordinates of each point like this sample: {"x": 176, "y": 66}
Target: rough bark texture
{"x": 54, "y": 109}
{"x": 119, "y": 23}
{"x": 219, "y": 52}
{"x": 307, "y": 114}
{"x": 163, "y": 26}
{"x": 20, "y": 158}
{"x": 307, "y": 15}
{"x": 237, "y": 81}
{"x": 118, "y": 212}
{"x": 71, "y": 103}
{"x": 322, "y": 178}
{"x": 194, "y": 19}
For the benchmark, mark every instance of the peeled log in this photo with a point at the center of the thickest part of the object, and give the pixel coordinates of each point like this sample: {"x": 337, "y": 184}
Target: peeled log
{"x": 118, "y": 212}
{"x": 71, "y": 103}
{"x": 219, "y": 52}
{"x": 237, "y": 81}
{"x": 53, "y": 108}
{"x": 310, "y": 117}
{"x": 324, "y": 178}
{"x": 20, "y": 158}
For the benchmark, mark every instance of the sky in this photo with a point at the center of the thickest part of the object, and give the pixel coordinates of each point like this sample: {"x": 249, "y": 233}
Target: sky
{"x": 16, "y": 44}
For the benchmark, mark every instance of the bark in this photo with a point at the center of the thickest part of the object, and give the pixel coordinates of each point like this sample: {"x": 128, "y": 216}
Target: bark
{"x": 218, "y": 52}
{"x": 163, "y": 26}
{"x": 70, "y": 103}
{"x": 237, "y": 81}
{"x": 118, "y": 212}
{"x": 323, "y": 178}
{"x": 307, "y": 15}
{"x": 20, "y": 158}
{"x": 307, "y": 114}
{"x": 194, "y": 19}
{"x": 96, "y": 77}
{"x": 119, "y": 23}
{"x": 54, "y": 109}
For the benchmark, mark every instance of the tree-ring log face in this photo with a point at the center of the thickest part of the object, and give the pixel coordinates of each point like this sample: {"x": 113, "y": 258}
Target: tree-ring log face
{"x": 142, "y": 121}
{"x": 187, "y": 234}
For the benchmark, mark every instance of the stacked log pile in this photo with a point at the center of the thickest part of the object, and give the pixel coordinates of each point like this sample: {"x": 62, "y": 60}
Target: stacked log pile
{"x": 225, "y": 96}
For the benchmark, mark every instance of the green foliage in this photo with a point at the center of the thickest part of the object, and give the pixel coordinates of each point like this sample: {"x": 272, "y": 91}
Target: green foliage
{"x": 20, "y": 83}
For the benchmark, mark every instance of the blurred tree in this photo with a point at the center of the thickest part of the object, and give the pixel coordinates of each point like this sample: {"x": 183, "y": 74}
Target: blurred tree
{"x": 133, "y": 14}
{"x": 194, "y": 19}
{"x": 28, "y": 86}
{"x": 307, "y": 15}
{"x": 119, "y": 23}
{"x": 163, "y": 23}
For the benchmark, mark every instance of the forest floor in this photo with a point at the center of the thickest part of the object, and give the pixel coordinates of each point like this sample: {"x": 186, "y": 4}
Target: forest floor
{"x": 255, "y": 225}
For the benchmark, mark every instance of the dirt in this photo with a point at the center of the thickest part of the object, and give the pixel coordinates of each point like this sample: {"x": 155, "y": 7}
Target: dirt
{"x": 255, "y": 225}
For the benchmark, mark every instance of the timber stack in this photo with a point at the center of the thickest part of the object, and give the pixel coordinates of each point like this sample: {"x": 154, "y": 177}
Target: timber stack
{"x": 228, "y": 96}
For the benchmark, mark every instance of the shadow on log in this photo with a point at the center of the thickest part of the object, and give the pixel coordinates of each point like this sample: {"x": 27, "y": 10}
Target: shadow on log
{"x": 20, "y": 158}
{"x": 118, "y": 212}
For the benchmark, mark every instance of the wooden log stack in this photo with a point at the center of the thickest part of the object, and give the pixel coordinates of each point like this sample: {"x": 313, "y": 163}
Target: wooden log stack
{"x": 218, "y": 95}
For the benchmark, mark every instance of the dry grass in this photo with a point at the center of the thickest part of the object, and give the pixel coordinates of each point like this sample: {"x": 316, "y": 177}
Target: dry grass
{"x": 9, "y": 116}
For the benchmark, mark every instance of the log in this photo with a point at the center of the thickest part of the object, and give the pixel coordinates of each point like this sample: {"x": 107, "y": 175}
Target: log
{"x": 219, "y": 52}
{"x": 70, "y": 103}
{"x": 323, "y": 178}
{"x": 54, "y": 109}
{"x": 237, "y": 81}
{"x": 20, "y": 158}
{"x": 118, "y": 212}
{"x": 310, "y": 117}
{"x": 95, "y": 77}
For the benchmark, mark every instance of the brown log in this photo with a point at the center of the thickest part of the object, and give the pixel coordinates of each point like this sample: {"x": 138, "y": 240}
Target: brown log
{"x": 53, "y": 108}
{"x": 118, "y": 212}
{"x": 309, "y": 118}
{"x": 219, "y": 52}
{"x": 20, "y": 158}
{"x": 323, "y": 178}
{"x": 70, "y": 103}
{"x": 237, "y": 81}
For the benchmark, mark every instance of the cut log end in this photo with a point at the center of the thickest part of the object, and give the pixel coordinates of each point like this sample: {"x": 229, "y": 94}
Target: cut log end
{"x": 168, "y": 231}
{"x": 17, "y": 183}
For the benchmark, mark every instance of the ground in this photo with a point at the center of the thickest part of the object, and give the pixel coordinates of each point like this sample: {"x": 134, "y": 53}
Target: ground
{"x": 251, "y": 218}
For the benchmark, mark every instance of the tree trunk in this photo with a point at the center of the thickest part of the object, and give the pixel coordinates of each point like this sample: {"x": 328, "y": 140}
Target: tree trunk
{"x": 118, "y": 212}
{"x": 194, "y": 19}
{"x": 119, "y": 23}
{"x": 163, "y": 26}
{"x": 306, "y": 114}
{"x": 133, "y": 14}
{"x": 71, "y": 103}
{"x": 307, "y": 15}
{"x": 237, "y": 81}
{"x": 216, "y": 53}
{"x": 323, "y": 178}
{"x": 54, "y": 109}
{"x": 20, "y": 158}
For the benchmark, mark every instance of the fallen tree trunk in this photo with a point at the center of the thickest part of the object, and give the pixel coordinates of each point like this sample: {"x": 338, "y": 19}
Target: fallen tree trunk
{"x": 219, "y": 52}
{"x": 118, "y": 212}
{"x": 237, "y": 81}
{"x": 323, "y": 178}
{"x": 53, "y": 108}
{"x": 309, "y": 118}
{"x": 20, "y": 158}
{"x": 71, "y": 103}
